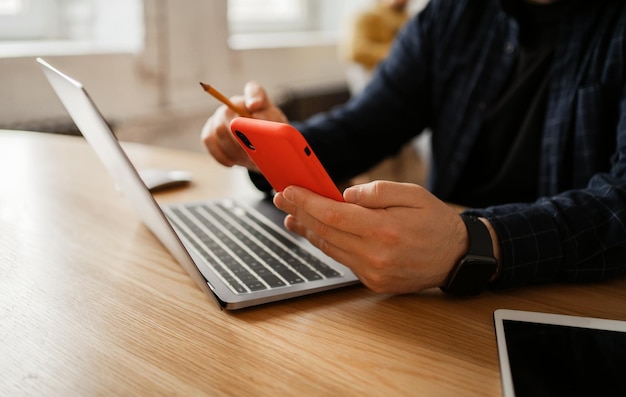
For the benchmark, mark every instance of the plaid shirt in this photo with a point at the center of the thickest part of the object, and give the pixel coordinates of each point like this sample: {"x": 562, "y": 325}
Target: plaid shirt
{"x": 447, "y": 66}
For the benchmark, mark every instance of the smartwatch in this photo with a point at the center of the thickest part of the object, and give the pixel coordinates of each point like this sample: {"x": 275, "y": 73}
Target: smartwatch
{"x": 472, "y": 274}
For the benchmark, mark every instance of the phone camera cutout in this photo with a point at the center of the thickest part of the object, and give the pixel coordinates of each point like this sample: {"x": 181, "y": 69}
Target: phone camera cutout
{"x": 307, "y": 151}
{"x": 245, "y": 140}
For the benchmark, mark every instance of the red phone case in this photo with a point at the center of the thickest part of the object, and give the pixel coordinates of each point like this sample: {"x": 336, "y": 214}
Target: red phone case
{"x": 283, "y": 156}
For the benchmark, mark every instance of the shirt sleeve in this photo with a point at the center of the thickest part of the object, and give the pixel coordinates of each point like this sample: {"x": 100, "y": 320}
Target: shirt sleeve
{"x": 578, "y": 235}
{"x": 391, "y": 110}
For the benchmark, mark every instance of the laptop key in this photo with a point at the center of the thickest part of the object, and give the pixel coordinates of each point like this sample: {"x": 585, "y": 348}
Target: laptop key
{"x": 221, "y": 270}
{"x": 291, "y": 257}
{"x": 254, "y": 260}
{"x": 296, "y": 251}
{"x": 268, "y": 259}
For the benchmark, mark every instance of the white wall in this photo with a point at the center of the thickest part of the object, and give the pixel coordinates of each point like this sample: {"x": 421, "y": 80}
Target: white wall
{"x": 186, "y": 42}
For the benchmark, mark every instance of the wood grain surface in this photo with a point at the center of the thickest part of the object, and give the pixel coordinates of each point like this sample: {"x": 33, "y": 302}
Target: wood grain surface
{"x": 91, "y": 304}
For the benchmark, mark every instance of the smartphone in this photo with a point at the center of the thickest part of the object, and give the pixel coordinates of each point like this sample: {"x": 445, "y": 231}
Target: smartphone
{"x": 283, "y": 156}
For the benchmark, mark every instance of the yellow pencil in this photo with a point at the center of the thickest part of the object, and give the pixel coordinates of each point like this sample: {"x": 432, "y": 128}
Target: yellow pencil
{"x": 220, "y": 97}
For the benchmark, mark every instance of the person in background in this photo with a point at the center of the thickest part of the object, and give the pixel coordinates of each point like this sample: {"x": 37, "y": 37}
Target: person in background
{"x": 369, "y": 39}
{"x": 526, "y": 100}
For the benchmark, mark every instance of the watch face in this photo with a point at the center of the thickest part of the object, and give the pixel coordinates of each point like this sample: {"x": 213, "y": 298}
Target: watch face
{"x": 471, "y": 276}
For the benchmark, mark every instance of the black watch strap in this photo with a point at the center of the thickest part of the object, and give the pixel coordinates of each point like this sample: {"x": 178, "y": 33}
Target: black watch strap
{"x": 472, "y": 274}
{"x": 480, "y": 239}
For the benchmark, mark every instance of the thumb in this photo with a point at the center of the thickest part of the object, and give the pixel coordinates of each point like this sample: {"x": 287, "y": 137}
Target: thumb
{"x": 385, "y": 194}
{"x": 255, "y": 97}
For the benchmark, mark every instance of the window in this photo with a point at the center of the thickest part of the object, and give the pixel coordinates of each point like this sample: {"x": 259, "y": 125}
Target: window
{"x": 262, "y": 23}
{"x": 268, "y": 15}
{"x": 22, "y": 19}
{"x": 114, "y": 24}
{"x": 11, "y": 7}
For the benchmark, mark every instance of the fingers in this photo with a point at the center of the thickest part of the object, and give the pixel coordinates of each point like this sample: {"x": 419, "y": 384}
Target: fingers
{"x": 318, "y": 212}
{"x": 333, "y": 243}
{"x": 385, "y": 194}
{"x": 255, "y": 97}
{"x": 260, "y": 105}
{"x": 216, "y": 135}
{"x": 219, "y": 141}
{"x": 344, "y": 247}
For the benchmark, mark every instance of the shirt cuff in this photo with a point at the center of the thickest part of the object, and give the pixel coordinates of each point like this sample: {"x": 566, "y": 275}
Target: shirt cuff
{"x": 259, "y": 181}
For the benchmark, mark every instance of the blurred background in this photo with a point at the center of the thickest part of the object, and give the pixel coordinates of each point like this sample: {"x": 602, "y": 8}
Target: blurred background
{"x": 141, "y": 60}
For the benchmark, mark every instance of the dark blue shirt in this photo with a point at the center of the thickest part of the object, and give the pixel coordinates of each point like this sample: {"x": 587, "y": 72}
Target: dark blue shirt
{"x": 447, "y": 67}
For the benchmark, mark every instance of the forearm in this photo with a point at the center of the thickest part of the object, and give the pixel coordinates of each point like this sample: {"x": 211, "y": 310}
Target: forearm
{"x": 576, "y": 236}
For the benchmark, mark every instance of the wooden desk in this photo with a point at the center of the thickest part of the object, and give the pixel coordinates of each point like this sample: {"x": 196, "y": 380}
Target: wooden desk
{"x": 92, "y": 304}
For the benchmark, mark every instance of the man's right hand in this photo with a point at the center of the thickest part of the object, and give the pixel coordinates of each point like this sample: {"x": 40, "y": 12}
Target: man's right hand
{"x": 216, "y": 134}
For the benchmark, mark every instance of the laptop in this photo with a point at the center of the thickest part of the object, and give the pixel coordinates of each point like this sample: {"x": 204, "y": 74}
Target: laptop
{"x": 237, "y": 250}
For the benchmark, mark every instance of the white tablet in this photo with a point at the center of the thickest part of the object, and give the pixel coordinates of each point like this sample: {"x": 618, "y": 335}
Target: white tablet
{"x": 556, "y": 355}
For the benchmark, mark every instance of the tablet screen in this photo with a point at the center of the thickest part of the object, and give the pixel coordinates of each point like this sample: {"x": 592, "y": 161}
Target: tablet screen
{"x": 548, "y": 359}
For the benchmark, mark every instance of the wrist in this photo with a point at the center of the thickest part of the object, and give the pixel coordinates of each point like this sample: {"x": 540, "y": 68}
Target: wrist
{"x": 478, "y": 266}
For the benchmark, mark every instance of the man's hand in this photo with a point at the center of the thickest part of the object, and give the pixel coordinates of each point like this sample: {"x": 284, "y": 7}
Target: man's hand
{"x": 216, "y": 134}
{"x": 396, "y": 237}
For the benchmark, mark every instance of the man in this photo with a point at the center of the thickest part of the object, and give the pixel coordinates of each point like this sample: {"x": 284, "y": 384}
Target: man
{"x": 526, "y": 101}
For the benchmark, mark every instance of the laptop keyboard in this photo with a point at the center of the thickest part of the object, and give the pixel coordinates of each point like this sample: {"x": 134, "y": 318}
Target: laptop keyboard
{"x": 248, "y": 253}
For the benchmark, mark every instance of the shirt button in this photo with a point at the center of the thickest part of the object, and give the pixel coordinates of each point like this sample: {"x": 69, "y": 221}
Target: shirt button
{"x": 509, "y": 48}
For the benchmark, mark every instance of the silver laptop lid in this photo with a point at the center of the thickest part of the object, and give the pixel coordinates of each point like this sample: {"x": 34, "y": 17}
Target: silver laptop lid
{"x": 96, "y": 130}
